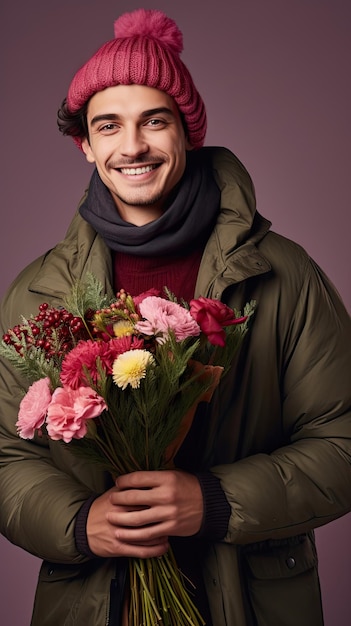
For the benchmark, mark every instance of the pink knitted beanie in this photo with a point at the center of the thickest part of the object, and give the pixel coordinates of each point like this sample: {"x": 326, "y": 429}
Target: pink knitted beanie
{"x": 146, "y": 51}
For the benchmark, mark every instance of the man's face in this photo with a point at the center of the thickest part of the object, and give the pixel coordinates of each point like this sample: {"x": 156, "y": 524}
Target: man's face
{"x": 138, "y": 144}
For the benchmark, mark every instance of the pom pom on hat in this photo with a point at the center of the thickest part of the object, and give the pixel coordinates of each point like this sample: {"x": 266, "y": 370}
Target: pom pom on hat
{"x": 146, "y": 51}
{"x": 152, "y": 24}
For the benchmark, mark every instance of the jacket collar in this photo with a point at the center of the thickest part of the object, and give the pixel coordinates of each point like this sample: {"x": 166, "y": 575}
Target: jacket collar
{"x": 231, "y": 254}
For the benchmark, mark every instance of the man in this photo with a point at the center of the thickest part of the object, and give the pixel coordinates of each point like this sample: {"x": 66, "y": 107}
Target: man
{"x": 271, "y": 459}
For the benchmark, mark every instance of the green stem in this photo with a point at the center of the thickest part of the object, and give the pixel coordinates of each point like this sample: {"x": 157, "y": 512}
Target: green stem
{"x": 178, "y": 593}
{"x": 146, "y": 590}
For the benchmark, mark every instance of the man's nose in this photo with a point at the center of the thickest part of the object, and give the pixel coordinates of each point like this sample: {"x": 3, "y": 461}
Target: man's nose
{"x": 133, "y": 142}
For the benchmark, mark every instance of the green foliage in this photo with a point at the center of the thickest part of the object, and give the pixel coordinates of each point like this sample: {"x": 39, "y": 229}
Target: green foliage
{"x": 32, "y": 363}
{"x": 85, "y": 296}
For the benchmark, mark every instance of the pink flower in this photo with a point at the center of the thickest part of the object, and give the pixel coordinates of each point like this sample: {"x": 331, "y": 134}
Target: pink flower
{"x": 33, "y": 408}
{"x": 70, "y": 409}
{"x": 161, "y": 316}
{"x": 212, "y": 316}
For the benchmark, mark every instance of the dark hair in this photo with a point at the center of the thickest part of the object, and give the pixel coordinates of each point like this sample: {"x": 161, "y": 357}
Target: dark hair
{"x": 72, "y": 124}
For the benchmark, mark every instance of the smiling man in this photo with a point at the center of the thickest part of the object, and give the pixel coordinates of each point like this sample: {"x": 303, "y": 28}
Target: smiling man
{"x": 268, "y": 460}
{"x": 137, "y": 142}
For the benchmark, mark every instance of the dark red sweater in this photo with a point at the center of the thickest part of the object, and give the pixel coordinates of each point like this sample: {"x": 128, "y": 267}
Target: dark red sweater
{"x": 137, "y": 274}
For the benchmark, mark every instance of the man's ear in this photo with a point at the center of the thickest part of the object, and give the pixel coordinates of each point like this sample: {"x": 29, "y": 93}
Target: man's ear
{"x": 87, "y": 150}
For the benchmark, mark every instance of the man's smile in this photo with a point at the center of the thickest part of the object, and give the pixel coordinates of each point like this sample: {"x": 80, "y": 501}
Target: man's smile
{"x": 133, "y": 171}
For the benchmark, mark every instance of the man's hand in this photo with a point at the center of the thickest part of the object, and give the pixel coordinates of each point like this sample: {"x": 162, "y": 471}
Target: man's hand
{"x": 136, "y": 517}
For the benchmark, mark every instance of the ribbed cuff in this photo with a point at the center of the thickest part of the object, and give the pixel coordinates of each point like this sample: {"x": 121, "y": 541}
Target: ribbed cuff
{"x": 216, "y": 508}
{"x": 80, "y": 530}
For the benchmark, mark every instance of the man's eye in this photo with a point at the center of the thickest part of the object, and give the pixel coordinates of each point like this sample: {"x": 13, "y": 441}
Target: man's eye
{"x": 155, "y": 122}
{"x": 108, "y": 127}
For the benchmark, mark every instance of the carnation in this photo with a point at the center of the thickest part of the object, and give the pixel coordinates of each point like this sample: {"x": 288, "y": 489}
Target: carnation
{"x": 162, "y": 316}
{"x": 81, "y": 359}
{"x": 33, "y": 408}
{"x": 70, "y": 409}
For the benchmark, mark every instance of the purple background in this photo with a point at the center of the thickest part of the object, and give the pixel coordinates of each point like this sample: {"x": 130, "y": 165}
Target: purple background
{"x": 275, "y": 76}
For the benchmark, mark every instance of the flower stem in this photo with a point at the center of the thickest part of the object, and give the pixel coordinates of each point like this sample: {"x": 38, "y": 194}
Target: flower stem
{"x": 137, "y": 563}
{"x": 158, "y": 584}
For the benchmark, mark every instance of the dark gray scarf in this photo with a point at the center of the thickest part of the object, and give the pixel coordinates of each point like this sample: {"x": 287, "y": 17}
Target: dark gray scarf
{"x": 187, "y": 221}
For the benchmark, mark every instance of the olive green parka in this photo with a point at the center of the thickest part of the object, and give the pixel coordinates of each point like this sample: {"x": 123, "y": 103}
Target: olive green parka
{"x": 279, "y": 437}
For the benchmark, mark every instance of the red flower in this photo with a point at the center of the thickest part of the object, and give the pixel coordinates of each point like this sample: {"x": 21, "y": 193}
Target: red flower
{"x": 84, "y": 358}
{"x": 119, "y": 345}
{"x": 212, "y": 316}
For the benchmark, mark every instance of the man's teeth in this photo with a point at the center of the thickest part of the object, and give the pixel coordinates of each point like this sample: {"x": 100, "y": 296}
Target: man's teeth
{"x": 132, "y": 171}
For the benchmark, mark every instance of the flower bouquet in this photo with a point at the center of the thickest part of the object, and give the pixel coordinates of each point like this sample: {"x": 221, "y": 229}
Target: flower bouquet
{"x": 118, "y": 381}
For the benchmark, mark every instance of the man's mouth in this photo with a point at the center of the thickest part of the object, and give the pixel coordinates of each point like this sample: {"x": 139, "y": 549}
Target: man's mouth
{"x": 134, "y": 171}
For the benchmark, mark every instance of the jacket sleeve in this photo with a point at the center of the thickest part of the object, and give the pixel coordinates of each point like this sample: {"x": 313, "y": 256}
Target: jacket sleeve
{"x": 39, "y": 501}
{"x": 40, "y": 489}
{"x": 306, "y": 481}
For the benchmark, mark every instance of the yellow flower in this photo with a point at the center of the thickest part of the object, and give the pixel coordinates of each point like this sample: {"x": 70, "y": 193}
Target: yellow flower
{"x": 123, "y": 328}
{"x": 130, "y": 367}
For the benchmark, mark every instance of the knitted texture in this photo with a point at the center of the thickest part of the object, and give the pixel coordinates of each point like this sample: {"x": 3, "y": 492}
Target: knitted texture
{"x": 146, "y": 51}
